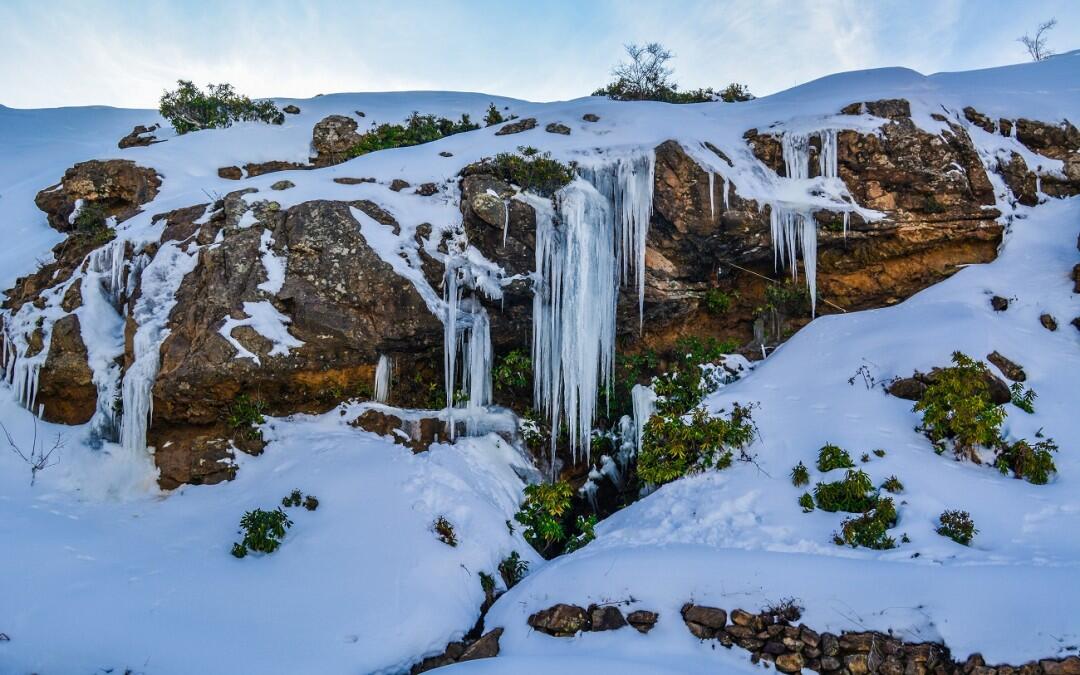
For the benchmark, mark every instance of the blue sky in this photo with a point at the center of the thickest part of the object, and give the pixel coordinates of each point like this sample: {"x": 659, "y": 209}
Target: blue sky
{"x": 125, "y": 53}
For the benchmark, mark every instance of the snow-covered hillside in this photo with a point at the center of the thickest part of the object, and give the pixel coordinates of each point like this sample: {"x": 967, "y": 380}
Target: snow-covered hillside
{"x": 102, "y": 571}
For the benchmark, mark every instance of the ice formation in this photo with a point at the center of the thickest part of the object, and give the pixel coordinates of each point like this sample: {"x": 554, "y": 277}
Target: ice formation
{"x": 582, "y": 257}
{"x": 102, "y": 326}
{"x": 383, "y": 373}
{"x": 466, "y": 316}
{"x": 644, "y": 404}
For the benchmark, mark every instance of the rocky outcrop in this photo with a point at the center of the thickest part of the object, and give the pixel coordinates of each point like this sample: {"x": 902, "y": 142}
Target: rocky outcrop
{"x": 1060, "y": 141}
{"x": 484, "y": 647}
{"x": 332, "y": 138}
{"x": 119, "y": 186}
{"x": 66, "y": 389}
{"x": 517, "y": 127}
{"x": 416, "y": 433}
{"x": 140, "y": 136}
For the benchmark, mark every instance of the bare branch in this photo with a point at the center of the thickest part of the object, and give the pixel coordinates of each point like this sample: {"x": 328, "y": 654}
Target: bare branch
{"x": 1036, "y": 46}
{"x": 39, "y": 458}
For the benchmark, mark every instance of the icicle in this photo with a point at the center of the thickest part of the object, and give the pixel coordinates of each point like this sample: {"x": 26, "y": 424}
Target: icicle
{"x": 452, "y": 298}
{"x": 506, "y": 220}
{"x": 827, "y": 159}
{"x": 847, "y": 215}
{"x": 478, "y": 369}
{"x": 644, "y": 403}
{"x": 712, "y": 208}
{"x": 382, "y": 378}
{"x": 793, "y": 230}
{"x": 727, "y": 193}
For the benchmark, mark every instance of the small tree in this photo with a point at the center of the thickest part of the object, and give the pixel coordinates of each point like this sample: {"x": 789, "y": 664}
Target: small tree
{"x": 189, "y": 108}
{"x": 1036, "y": 46}
{"x": 36, "y": 457}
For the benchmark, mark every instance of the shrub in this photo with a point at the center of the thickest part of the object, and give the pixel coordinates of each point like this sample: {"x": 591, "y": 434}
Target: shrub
{"x": 853, "y": 494}
{"x": 892, "y": 484}
{"x": 833, "y": 457}
{"x": 879, "y": 452}
{"x": 245, "y": 414}
{"x": 1023, "y": 398}
{"x": 680, "y": 389}
{"x": 532, "y": 431}
{"x": 493, "y": 116}
{"x": 542, "y": 513}
{"x": 736, "y": 93}
{"x": 799, "y": 475}
{"x": 957, "y": 407}
{"x": 870, "y": 530}
{"x": 716, "y": 301}
{"x": 787, "y": 610}
{"x": 90, "y": 226}
{"x": 1033, "y": 463}
{"x": 958, "y": 526}
{"x": 417, "y": 130}
{"x": 263, "y": 531}
{"x": 487, "y": 583}
{"x": 445, "y": 531}
{"x": 513, "y": 569}
{"x": 806, "y": 502}
{"x": 673, "y": 447}
{"x": 512, "y": 372}
{"x": 585, "y": 534}
{"x": 865, "y": 457}
{"x": 311, "y": 502}
{"x": 646, "y": 77}
{"x": 531, "y": 170}
{"x": 189, "y": 108}
{"x": 294, "y": 498}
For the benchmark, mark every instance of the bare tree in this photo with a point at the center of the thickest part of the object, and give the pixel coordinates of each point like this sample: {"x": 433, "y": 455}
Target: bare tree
{"x": 38, "y": 458}
{"x": 1036, "y": 46}
{"x": 645, "y": 73}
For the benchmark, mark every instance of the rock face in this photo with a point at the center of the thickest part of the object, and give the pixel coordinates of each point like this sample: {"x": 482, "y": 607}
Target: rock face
{"x": 119, "y": 186}
{"x": 66, "y": 389}
{"x": 517, "y": 127}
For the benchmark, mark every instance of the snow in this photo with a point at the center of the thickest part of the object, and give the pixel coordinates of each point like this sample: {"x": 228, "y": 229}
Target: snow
{"x": 109, "y": 572}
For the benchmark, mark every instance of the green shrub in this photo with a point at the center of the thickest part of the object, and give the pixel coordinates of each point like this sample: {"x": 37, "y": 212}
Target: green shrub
{"x": 512, "y": 372}
{"x": 532, "y": 431}
{"x": 672, "y": 447}
{"x": 1033, "y": 463}
{"x": 1023, "y": 398}
{"x": 513, "y": 569}
{"x": 716, "y": 302}
{"x": 311, "y": 502}
{"x": 799, "y": 475}
{"x": 865, "y": 457}
{"x": 833, "y": 457}
{"x": 294, "y": 498}
{"x": 879, "y": 452}
{"x": 531, "y": 170}
{"x": 542, "y": 514}
{"x": 957, "y": 407}
{"x": 417, "y": 130}
{"x": 646, "y": 77}
{"x": 245, "y": 414}
{"x": 870, "y": 530}
{"x": 263, "y": 531}
{"x": 680, "y": 389}
{"x": 958, "y": 526}
{"x": 853, "y": 494}
{"x": 445, "y": 531}
{"x": 493, "y": 116}
{"x": 892, "y": 484}
{"x": 806, "y": 502}
{"x": 585, "y": 534}
{"x": 90, "y": 225}
{"x": 736, "y": 93}
{"x": 487, "y": 583}
{"x": 189, "y": 108}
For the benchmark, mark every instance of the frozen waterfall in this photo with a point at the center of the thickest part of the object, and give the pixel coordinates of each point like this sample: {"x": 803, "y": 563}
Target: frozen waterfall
{"x": 382, "y": 379}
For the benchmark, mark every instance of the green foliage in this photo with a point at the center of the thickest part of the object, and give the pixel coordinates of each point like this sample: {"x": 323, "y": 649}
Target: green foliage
{"x": 542, "y": 513}
{"x": 833, "y": 457}
{"x": 870, "y": 530}
{"x": 1023, "y": 398}
{"x": 957, "y": 407}
{"x": 513, "y": 569}
{"x": 736, "y": 93}
{"x": 531, "y": 170}
{"x": 90, "y": 226}
{"x": 958, "y": 526}
{"x": 806, "y": 502}
{"x": 645, "y": 77}
{"x": 585, "y": 534}
{"x": 445, "y": 531}
{"x": 512, "y": 372}
{"x": 263, "y": 531}
{"x": 245, "y": 414}
{"x": 865, "y": 457}
{"x": 189, "y": 108}
{"x": 487, "y": 583}
{"x": 532, "y": 431}
{"x": 311, "y": 502}
{"x": 716, "y": 302}
{"x": 787, "y": 299}
{"x": 417, "y": 130}
{"x": 682, "y": 387}
{"x": 493, "y": 116}
{"x": 672, "y": 446}
{"x": 853, "y": 494}
{"x": 294, "y": 498}
{"x": 1033, "y": 463}
{"x": 799, "y": 475}
{"x": 892, "y": 484}
{"x": 879, "y": 452}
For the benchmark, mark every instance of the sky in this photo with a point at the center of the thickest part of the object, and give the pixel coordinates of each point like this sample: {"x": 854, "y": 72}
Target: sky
{"x": 125, "y": 54}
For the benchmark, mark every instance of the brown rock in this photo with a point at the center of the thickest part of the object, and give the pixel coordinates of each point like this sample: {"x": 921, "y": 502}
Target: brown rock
{"x": 557, "y": 128}
{"x": 789, "y": 663}
{"x": 1070, "y": 665}
{"x": 65, "y": 383}
{"x": 589, "y": 117}
{"x": 830, "y": 646}
{"x": 605, "y": 617}
{"x": 230, "y": 173}
{"x": 259, "y": 168}
{"x": 140, "y": 136}
{"x": 830, "y": 663}
{"x": 1008, "y": 368}
{"x": 283, "y": 185}
{"x": 485, "y": 648}
{"x": 809, "y": 637}
{"x": 890, "y": 108}
{"x": 979, "y": 119}
{"x": 345, "y": 180}
{"x": 1048, "y": 322}
{"x": 397, "y": 185}
{"x": 291, "y": 109}
{"x": 560, "y": 620}
{"x": 427, "y": 189}
{"x": 999, "y": 303}
{"x": 1076, "y": 278}
{"x": 642, "y": 620}
{"x": 712, "y": 617}
{"x": 119, "y": 186}
{"x": 909, "y": 388}
{"x": 446, "y": 153}
{"x": 517, "y": 127}
{"x": 857, "y": 664}
{"x": 741, "y": 617}
{"x": 331, "y": 139}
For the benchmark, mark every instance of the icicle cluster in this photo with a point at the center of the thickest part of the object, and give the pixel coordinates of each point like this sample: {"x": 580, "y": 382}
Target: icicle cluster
{"x": 382, "y": 379}
{"x": 468, "y": 334}
{"x": 596, "y": 243}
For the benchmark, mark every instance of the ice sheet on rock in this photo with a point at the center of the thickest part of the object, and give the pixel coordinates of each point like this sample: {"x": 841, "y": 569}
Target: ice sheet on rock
{"x": 267, "y": 321}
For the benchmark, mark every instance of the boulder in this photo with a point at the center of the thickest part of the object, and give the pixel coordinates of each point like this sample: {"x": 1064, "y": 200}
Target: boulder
{"x": 605, "y": 617}
{"x": 517, "y": 127}
{"x": 484, "y": 648}
{"x": 140, "y": 136}
{"x": 1048, "y": 322}
{"x": 332, "y": 138}
{"x": 345, "y": 180}
{"x": 1008, "y": 368}
{"x": 291, "y": 109}
{"x": 397, "y": 185}
{"x": 1070, "y": 665}
{"x": 427, "y": 189}
{"x": 710, "y": 617}
{"x": 557, "y": 128}
{"x": 119, "y": 186}
{"x": 999, "y": 303}
{"x": 283, "y": 185}
{"x": 560, "y": 620}
{"x": 789, "y": 663}
{"x": 415, "y": 433}
{"x": 642, "y": 620}
{"x": 590, "y": 117}
{"x": 66, "y": 389}
{"x": 230, "y": 173}
{"x": 260, "y": 168}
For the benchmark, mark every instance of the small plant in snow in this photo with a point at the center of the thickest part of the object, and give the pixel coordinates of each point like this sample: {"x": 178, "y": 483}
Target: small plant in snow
{"x": 263, "y": 531}
{"x": 806, "y": 502}
{"x": 585, "y": 534}
{"x": 493, "y": 116}
{"x": 673, "y": 446}
{"x": 36, "y": 456}
{"x": 532, "y": 433}
{"x": 958, "y": 526}
{"x": 870, "y": 530}
{"x": 531, "y": 170}
{"x": 311, "y": 502}
{"x": 189, "y": 108}
{"x": 417, "y": 130}
{"x": 1023, "y": 397}
{"x": 833, "y": 457}
{"x": 892, "y": 484}
{"x": 787, "y": 609}
{"x": 957, "y": 407}
{"x": 487, "y": 583}
{"x": 545, "y": 507}
{"x": 865, "y": 458}
{"x": 294, "y": 498}
{"x": 245, "y": 414}
{"x": 513, "y": 569}
{"x": 854, "y": 494}
{"x": 799, "y": 475}
{"x": 879, "y": 452}
{"x": 445, "y": 531}
{"x": 1032, "y": 462}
